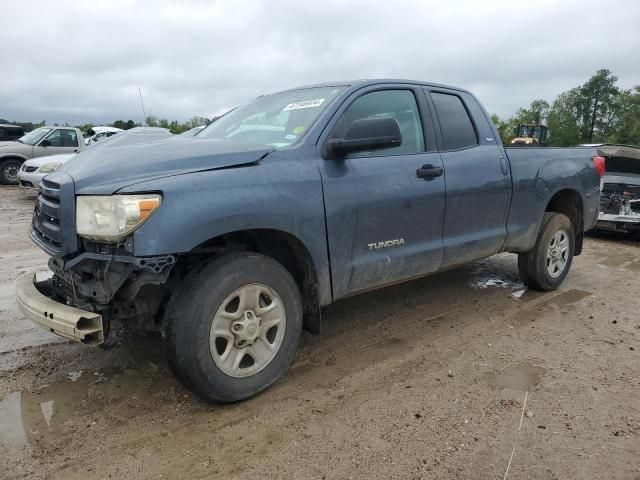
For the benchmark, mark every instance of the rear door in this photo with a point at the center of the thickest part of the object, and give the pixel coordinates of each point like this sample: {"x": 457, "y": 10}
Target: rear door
{"x": 384, "y": 223}
{"x": 60, "y": 140}
{"x": 477, "y": 175}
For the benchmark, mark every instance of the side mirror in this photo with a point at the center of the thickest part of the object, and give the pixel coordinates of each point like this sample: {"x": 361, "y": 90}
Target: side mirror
{"x": 45, "y": 143}
{"x": 367, "y": 134}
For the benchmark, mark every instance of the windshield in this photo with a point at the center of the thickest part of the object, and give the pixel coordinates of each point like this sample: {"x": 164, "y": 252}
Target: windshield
{"x": 34, "y": 136}
{"x": 276, "y": 120}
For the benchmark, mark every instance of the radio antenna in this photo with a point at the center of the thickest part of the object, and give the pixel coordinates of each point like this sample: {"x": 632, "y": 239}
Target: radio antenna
{"x": 144, "y": 115}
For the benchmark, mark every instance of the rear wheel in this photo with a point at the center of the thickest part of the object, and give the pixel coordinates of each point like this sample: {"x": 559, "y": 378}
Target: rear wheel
{"x": 548, "y": 263}
{"x": 232, "y": 329}
{"x": 9, "y": 171}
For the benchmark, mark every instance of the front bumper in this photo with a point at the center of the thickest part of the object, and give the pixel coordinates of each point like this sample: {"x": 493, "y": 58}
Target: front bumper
{"x": 69, "y": 322}
{"x": 618, "y": 223}
{"x": 30, "y": 180}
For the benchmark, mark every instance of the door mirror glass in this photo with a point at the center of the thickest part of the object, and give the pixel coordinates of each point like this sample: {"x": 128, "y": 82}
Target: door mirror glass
{"x": 366, "y": 134}
{"x": 45, "y": 143}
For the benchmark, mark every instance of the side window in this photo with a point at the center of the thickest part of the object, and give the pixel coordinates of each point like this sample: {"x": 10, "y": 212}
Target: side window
{"x": 456, "y": 125}
{"x": 398, "y": 104}
{"x": 2, "y": 133}
{"x": 54, "y": 138}
{"x": 68, "y": 138}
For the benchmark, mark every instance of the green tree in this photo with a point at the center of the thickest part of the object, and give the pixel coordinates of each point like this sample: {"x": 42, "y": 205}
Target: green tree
{"x": 124, "y": 125}
{"x": 562, "y": 121}
{"x": 627, "y": 129}
{"x": 596, "y": 106}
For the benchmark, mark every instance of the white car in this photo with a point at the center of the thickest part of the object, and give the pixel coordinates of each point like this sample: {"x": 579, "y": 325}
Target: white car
{"x": 32, "y": 171}
{"x": 96, "y": 134}
{"x": 193, "y": 131}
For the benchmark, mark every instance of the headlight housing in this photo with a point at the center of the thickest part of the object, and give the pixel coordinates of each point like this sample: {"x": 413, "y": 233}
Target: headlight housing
{"x": 49, "y": 167}
{"x": 111, "y": 218}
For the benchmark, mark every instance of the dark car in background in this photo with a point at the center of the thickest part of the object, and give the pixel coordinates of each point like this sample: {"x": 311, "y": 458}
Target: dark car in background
{"x": 10, "y": 132}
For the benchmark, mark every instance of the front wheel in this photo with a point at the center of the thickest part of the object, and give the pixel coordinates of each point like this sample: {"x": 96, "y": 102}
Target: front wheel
{"x": 9, "y": 171}
{"x": 547, "y": 264}
{"x": 233, "y": 328}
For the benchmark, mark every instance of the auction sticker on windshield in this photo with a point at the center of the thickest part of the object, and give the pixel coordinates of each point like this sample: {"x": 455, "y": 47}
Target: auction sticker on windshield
{"x": 304, "y": 104}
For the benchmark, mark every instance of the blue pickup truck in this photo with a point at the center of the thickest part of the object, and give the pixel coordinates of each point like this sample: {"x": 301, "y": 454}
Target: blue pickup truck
{"x": 232, "y": 241}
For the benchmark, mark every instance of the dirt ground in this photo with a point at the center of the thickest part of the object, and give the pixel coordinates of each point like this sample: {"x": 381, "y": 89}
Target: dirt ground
{"x": 456, "y": 376}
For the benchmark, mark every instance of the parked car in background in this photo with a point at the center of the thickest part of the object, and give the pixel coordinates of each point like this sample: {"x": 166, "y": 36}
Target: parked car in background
{"x": 192, "y": 132}
{"x": 32, "y": 171}
{"x": 95, "y": 134}
{"x": 620, "y": 197}
{"x": 10, "y": 132}
{"x": 231, "y": 244}
{"x": 40, "y": 142}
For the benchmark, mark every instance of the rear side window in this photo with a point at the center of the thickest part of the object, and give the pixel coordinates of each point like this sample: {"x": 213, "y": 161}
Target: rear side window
{"x": 456, "y": 125}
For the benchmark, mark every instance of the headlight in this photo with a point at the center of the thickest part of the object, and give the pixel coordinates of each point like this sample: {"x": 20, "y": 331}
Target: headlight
{"x": 49, "y": 167}
{"x": 111, "y": 218}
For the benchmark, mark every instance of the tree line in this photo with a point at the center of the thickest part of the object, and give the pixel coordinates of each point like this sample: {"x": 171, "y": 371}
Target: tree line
{"x": 174, "y": 126}
{"x": 597, "y": 111}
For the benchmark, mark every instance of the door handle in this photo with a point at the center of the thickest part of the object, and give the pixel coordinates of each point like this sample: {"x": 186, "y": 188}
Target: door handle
{"x": 429, "y": 172}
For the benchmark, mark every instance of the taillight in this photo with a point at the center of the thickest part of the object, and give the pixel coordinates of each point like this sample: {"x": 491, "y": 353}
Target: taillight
{"x": 599, "y": 163}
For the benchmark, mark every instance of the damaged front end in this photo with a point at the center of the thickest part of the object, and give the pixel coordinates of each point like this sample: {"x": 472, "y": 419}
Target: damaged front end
{"x": 93, "y": 283}
{"x": 116, "y": 286}
{"x": 620, "y": 208}
{"x": 620, "y": 196}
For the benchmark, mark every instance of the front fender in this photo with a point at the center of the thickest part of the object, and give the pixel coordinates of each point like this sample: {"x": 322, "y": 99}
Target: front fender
{"x": 14, "y": 155}
{"x": 276, "y": 195}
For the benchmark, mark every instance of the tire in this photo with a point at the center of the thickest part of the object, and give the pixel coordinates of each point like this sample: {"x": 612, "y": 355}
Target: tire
{"x": 201, "y": 319}
{"x": 546, "y": 265}
{"x": 7, "y": 169}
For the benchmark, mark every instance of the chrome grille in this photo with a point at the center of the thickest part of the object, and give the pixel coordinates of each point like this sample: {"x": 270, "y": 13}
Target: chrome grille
{"x": 46, "y": 215}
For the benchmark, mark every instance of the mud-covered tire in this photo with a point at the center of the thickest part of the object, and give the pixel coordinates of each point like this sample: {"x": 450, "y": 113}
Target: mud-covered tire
{"x": 195, "y": 306}
{"x": 534, "y": 266}
{"x": 6, "y": 166}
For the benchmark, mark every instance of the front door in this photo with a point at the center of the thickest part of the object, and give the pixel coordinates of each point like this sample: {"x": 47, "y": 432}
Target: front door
{"x": 60, "y": 140}
{"x": 384, "y": 221}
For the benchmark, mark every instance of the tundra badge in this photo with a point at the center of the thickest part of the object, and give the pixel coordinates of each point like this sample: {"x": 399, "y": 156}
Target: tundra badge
{"x": 389, "y": 243}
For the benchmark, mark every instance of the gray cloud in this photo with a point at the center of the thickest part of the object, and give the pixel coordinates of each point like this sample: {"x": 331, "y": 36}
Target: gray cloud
{"x": 84, "y": 61}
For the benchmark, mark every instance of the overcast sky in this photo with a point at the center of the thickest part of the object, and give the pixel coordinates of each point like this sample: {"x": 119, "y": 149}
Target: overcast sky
{"x": 73, "y": 61}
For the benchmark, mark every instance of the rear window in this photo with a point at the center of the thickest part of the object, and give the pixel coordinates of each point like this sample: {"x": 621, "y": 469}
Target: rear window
{"x": 455, "y": 123}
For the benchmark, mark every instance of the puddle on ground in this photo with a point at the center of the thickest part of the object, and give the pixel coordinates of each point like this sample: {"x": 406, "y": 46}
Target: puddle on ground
{"x": 621, "y": 260}
{"x": 567, "y": 298}
{"x": 516, "y": 377}
{"x": 496, "y": 283}
{"x": 30, "y": 416}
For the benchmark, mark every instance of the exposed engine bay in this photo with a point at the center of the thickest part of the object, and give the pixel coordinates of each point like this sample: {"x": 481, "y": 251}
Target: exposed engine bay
{"x": 620, "y": 196}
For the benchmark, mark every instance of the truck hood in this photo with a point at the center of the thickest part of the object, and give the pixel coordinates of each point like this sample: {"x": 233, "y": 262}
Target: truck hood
{"x": 623, "y": 168}
{"x": 124, "y": 160}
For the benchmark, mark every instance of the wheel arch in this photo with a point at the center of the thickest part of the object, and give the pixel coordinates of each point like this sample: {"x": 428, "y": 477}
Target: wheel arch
{"x": 13, "y": 156}
{"x": 282, "y": 246}
{"x": 569, "y": 202}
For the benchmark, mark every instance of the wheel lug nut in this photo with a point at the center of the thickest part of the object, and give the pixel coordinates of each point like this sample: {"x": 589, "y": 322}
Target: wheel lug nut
{"x": 236, "y": 327}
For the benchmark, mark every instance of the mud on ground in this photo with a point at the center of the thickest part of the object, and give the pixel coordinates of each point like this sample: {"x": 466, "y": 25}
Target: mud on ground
{"x": 451, "y": 376}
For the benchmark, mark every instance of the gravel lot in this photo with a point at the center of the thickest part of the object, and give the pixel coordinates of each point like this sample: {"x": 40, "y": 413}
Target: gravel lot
{"x": 450, "y": 376}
